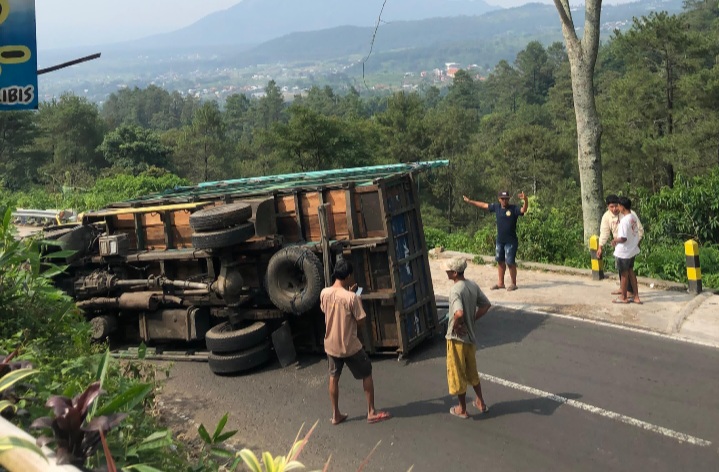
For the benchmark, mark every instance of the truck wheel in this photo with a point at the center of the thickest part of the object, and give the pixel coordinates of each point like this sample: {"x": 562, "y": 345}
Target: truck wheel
{"x": 222, "y": 338}
{"x": 223, "y": 237}
{"x": 239, "y": 361}
{"x": 222, "y": 216}
{"x": 294, "y": 279}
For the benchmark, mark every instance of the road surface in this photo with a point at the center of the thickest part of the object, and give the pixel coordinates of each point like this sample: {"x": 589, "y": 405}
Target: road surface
{"x": 565, "y": 395}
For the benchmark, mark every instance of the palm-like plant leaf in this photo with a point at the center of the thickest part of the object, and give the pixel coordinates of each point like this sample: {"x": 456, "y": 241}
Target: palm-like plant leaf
{"x": 11, "y": 442}
{"x": 250, "y": 460}
{"x": 10, "y": 379}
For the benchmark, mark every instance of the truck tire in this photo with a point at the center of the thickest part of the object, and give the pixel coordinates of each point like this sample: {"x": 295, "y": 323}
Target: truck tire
{"x": 223, "y": 237}
{"x": 294, "y": 279}
{"x": 222, "y": 338}
{"x": 239, "y": 361}
{"x": 222, "y": 216}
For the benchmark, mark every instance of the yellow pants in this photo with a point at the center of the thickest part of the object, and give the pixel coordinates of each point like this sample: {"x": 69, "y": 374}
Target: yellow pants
{"x": 461, "y": 367}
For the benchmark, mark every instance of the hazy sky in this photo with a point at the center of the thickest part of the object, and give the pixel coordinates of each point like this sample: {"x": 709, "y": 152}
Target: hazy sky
{"x": 67, "y": 23}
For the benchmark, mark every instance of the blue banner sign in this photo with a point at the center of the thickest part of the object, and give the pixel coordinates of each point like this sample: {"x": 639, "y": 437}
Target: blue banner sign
{"x": 18, "y": 55}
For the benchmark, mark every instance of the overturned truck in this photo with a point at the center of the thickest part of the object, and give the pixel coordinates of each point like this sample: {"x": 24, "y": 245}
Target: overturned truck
{"x": 239, "y": 264}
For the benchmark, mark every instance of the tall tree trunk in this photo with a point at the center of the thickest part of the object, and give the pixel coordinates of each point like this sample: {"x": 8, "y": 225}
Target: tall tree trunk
{"x": 582, "y": 59}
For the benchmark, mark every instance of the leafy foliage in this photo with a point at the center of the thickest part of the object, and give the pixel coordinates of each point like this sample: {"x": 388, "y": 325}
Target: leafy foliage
{"x": 76, "y": 438}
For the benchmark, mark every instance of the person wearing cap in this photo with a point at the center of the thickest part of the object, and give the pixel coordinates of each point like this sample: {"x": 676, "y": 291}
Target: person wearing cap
{"x": 507, "y": 241}
{"x": 343, "y": 314}
{"x": 609, "y": 227}
{"x": 467, "y": 304}
{"x": 626, "y": 248}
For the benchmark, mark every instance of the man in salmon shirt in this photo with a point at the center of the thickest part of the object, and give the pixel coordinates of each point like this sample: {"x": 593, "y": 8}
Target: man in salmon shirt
{"x": 343, "y": 314}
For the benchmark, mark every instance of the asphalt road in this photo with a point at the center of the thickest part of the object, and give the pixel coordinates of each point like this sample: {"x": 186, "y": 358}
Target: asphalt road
{"x": 564, "y": 396}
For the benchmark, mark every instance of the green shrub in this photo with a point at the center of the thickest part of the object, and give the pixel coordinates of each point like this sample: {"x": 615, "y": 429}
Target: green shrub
{"x": 49, "y": 332}
{"x": 462, "y": 242}
{"x": 689, "y": 210}
{"x": 434, "y": 237}
{"x": 106, "y": 190}
{"x": 552, "y": 236}
{"x": 662, "y": 261}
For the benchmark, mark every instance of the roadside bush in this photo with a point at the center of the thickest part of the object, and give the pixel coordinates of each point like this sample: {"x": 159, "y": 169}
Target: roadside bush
{"x": 689, "y": 210}
{"x": 106, "y": 190}
{"x": 552, "y": 236}
{"x": 43, "y": 324}
{"x": 462, "y": 242}
{"x": 434, "y": 237}
{"x": 484, "y": 240}
{"x": 661, "y": 261}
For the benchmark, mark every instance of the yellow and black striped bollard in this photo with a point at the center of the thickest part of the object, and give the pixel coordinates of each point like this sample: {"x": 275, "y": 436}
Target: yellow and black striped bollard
{"x": 694, "y": 271}
{"x": 597, "y": 264}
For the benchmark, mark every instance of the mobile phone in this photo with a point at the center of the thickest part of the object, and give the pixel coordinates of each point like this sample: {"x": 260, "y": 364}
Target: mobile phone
{"x": 359, "y": 291}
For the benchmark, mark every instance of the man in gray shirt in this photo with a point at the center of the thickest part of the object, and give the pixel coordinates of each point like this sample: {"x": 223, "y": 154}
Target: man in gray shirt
{"x": 467, "y": 304}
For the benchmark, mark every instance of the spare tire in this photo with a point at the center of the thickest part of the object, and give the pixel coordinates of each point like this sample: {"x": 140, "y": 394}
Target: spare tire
{"x": 294, "y": 279}
{"x": 221, "y": 216}
{"x": 223, "y": 338}
{"x": 239, "y": 361}
{"x": 223, "y": 237}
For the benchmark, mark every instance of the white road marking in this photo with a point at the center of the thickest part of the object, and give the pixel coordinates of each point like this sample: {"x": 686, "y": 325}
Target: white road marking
{"x": 681, "y": 437}
{"x": 673, "y": 337}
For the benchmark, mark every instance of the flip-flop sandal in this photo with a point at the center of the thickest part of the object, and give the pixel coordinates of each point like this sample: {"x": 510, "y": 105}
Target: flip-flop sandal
{"x": 638, "y": 302}
{"x": 619, "y": 300}
{"x": 486, "y": 408}
{"x": 511, "y": 288}
{"x": 454, "y": 412}
{"x": 496, "y": 287}
{"x": 381, "y": 416}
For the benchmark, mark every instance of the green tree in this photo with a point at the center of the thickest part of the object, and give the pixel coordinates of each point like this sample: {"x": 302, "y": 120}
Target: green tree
{"x": 18, "y": 164}
{"x": 536, "y": 72}
{"x": 200, "y": 150}
{"x": 463, "y": 92}
{"x": 315, "y": 141}
{"x": 237, "y": 123}
{"x": 502, "y": 90}
{"x": 268, "y": 110}
{"x": 70, "y": 131}
{"x": 152, "y": 107}
{"x": 404, "y": 136}
{"x": 134, "y": 149}
{"x": 649, "y": 110}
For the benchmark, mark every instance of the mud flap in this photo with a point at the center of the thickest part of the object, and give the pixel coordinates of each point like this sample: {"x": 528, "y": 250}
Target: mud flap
{"x": 284, "y": 345}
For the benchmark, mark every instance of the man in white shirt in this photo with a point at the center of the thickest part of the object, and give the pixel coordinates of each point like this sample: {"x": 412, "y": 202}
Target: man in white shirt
{"x": 609, "y": 226}
{"x": 626, "y": 248}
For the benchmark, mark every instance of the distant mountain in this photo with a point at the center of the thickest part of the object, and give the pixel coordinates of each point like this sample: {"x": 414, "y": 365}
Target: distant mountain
{"x": 333, "y": 55}
{"x": 520, "y": 25}
{"x": 257, "y": 21}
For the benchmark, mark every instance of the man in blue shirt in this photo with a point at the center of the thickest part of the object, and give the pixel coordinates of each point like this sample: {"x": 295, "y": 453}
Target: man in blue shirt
{"x": 507, "y": 242}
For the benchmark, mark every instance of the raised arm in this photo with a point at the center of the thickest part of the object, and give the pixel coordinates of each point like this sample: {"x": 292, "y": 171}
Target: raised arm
{"x": 478, "y": 204}
{"x": 524, "y": 198}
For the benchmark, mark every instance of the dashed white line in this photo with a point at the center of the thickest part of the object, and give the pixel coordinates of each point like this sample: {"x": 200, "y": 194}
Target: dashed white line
{"x": 681, "y": 437}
